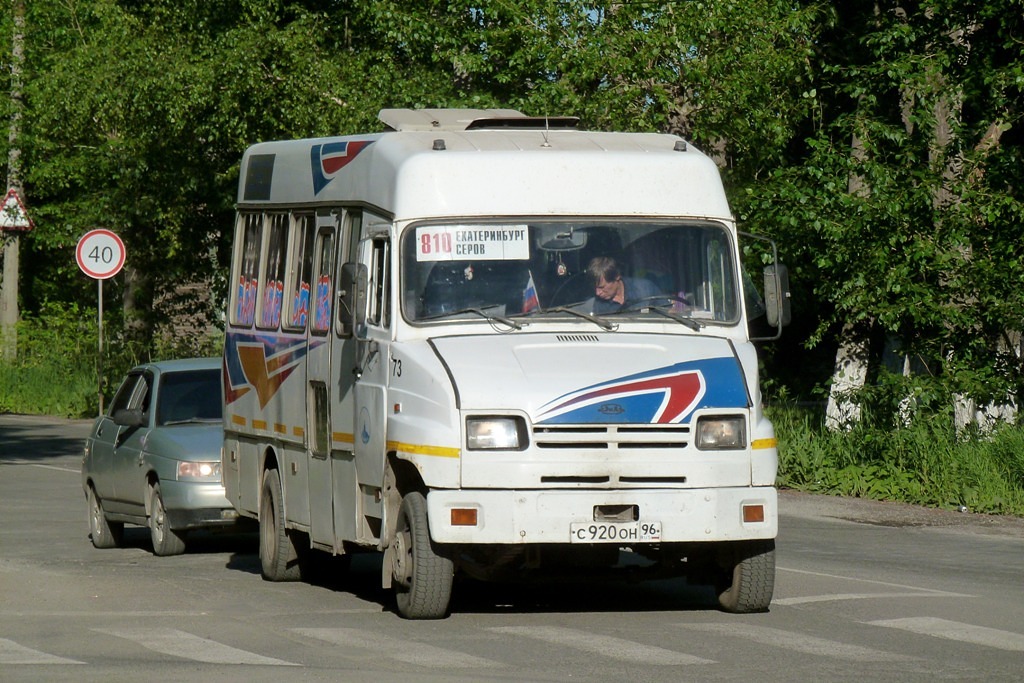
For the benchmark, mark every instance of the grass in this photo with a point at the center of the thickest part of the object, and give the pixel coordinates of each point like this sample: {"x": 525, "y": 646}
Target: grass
{"x": 925, "y": 463}
{"x": 56, "y": 369}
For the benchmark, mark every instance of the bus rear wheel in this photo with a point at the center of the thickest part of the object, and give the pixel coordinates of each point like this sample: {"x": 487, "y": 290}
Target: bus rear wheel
{"x": 422, "y": 575}
{"x": 280, "y": 556}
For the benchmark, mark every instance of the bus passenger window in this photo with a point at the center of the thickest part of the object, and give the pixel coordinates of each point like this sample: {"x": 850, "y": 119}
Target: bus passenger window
{"x": 273, "y": 272}
{"x": 323, "y": 291}
{"x": 247, "y": 267}
{"x": 300, "y": 273}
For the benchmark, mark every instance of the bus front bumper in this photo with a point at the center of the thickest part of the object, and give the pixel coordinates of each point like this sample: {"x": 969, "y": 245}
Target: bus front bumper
{"x": 538, "y": 516}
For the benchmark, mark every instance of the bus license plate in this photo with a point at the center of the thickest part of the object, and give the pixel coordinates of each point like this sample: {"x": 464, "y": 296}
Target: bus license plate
{"x": 615, "y": 532}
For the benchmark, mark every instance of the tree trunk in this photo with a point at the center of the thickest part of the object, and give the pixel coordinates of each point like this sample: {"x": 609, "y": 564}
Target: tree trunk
{"x": 852, "y": 356}
{"x": 848, "y": 377}
{"x": 11, "y": 242}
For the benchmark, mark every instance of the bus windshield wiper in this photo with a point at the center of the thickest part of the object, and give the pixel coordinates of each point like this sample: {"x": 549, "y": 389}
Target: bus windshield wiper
{"x": 601, "y": 322}
{"x": 480, "y": 312}
{"x": 694, "y": 325}
{"x": 645, "y": 304}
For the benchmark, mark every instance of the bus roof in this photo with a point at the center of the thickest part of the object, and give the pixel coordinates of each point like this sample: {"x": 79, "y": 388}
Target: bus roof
{"x": 444, "y": 163}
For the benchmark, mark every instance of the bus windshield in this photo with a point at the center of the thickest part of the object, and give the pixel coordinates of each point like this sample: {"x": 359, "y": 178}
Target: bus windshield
{"x": 636, "y": 269}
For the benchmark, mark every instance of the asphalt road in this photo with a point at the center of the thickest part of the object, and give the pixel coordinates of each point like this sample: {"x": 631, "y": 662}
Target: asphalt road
{"x": 864, "y": 591}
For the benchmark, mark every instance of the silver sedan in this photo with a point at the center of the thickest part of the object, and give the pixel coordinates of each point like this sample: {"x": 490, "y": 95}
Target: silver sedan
{"x": 154, "y": 458}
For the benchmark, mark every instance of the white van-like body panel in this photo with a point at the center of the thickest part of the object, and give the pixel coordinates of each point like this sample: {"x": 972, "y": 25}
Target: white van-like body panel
{"x": 497, "y": 325}
{"x": 492, "y": 173}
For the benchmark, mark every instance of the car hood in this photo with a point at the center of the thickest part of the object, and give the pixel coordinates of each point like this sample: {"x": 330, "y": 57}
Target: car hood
{"x": 595, "y": 378}
{"x": 192, "y": 442}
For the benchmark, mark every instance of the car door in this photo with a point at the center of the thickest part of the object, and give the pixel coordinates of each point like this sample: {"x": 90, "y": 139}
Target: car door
{"x": 127, "y": 464}
{"x": 105, "y": 436}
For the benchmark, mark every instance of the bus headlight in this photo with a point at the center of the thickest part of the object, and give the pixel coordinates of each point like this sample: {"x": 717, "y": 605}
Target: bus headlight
{"x": 721, "y": 433}
{"x": 495, "y": 433}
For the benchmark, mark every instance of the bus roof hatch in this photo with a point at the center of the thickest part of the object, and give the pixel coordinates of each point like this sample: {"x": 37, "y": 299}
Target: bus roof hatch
{"x": 468, "y": 119}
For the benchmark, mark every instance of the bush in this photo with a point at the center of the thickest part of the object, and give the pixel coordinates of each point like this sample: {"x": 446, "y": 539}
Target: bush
{"x": 56, "y": 371}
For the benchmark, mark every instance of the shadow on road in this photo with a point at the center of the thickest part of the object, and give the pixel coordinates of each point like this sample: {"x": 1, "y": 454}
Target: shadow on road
{"x": 359, "y": 575}
{"x": 37, "y": 438}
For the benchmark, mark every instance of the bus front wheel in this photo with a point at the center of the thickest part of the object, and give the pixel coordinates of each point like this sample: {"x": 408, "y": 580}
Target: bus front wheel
{"x": 745, "y": 579}
{"x": 422, "y": 574}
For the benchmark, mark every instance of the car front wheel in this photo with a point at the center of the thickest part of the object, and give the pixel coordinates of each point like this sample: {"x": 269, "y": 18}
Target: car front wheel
{"x": 103, "y": 533}
{"x": 166, "y": 541}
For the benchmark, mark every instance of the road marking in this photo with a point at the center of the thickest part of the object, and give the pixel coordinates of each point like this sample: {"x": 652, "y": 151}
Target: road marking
{"x": 906, "y": 592}
{"x": 177, "y": 643}
{"x": 12, "y": 653}
{"x": 607, "y": 646}
{"x": 830, "y": 597}
{"x": 799, "y": 642}
{"x": 401, "y": 649}
{"x": 954, "y": 630}
{"x": 35, "y": 464}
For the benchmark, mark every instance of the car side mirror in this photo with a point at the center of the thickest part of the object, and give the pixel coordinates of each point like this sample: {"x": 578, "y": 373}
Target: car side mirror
{"x": 129, "y": 417}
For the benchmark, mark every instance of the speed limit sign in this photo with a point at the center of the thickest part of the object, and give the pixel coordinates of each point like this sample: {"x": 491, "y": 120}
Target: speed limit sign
{"x": 100, "y": 254}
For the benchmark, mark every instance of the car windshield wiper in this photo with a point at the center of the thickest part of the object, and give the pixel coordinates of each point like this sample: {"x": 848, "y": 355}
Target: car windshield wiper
{"x": 601, "y": 322}
{"x": 480, "y": 312}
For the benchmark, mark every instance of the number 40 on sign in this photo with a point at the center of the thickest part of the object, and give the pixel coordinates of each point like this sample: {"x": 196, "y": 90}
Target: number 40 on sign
{"x": 100, "y": 254}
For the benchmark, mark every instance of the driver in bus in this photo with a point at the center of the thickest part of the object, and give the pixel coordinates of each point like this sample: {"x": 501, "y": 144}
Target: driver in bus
{"x": 612, "y": 291}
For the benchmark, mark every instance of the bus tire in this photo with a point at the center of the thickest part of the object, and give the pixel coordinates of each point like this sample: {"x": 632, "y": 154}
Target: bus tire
{"x": 279, "y": 556}
{"x": 422, "y": 575}
{"x": 102, "y": 532}
{"x": 166, "y": 541}
{"x": 746, "y": 579}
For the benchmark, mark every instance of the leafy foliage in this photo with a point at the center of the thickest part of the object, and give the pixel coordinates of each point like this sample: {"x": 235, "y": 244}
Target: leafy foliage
{"x": 879, "y": 143}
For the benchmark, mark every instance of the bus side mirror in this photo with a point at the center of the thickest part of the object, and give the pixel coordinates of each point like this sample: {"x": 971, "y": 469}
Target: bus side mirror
{"x": 352, "y": 298}
{"x": 776, "y": 295}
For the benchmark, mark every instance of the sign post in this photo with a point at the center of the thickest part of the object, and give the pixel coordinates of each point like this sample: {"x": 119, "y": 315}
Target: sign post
{"x": 14, "y": 220}
{"x": 100, "y": 255}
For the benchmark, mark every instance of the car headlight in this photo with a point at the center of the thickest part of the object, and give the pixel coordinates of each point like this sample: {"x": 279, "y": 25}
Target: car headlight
{"x": 721, "y": 433}
{"x": 495, "y": 433}
{"x": 199, "y": 470}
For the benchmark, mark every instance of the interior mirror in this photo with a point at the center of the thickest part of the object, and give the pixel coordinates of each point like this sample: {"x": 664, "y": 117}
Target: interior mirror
{"x": 563, "y": 239}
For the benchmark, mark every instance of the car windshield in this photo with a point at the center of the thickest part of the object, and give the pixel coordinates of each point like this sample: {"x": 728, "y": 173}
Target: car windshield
{"x": 189, "y": 396}
{"x": 601, "y": 269}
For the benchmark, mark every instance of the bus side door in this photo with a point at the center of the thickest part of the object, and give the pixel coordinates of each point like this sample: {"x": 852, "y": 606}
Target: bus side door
{"x": 319, "y": 429}
{"x": 373, "y": 357}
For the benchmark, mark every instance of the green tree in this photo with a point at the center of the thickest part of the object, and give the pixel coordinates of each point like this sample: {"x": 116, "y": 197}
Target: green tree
{"x": 921, "y": 104}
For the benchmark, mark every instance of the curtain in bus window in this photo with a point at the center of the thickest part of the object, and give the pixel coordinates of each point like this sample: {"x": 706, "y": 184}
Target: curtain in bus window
{"x": 297, "y": 312}
{"x": 248, "y": 279}
{"x": 273, "y": 272}
{"x": 324, "y": 289}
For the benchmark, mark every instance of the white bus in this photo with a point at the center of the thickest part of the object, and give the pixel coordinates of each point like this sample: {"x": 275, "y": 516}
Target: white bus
{"x": 487, "y": 344}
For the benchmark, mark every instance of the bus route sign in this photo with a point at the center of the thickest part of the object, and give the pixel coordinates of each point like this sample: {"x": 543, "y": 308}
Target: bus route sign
{"x": 100, "y": 254}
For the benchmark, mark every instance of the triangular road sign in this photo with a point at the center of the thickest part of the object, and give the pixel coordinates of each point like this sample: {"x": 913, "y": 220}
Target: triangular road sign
{"x": 13, "y": 215}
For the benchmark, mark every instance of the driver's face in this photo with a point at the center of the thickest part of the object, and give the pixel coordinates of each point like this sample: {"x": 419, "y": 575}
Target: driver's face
{"x": 607, "y": 290}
